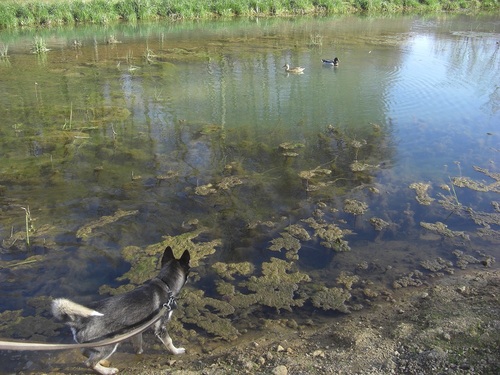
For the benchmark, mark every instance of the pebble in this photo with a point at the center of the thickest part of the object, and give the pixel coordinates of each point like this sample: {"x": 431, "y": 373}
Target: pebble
{"x": 280, "y": 370}
{"x": 319, "y": 353}
{"x": 269, "y": 356}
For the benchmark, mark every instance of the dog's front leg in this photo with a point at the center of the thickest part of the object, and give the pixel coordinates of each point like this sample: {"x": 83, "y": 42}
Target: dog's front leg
{"x": 162, "y": 334}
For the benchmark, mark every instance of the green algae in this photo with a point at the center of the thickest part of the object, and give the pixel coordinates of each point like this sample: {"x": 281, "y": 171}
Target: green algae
{"x": 413, "y": 278}
{"x": 226, "y": 183}
{"x": 355, "y": 207}
{"x": 277, "y": 287}
{"x": 422, "y": 196}
{"x": 229, "y": 182}
{"x": 85, "y": 231}
{"x": 183, "y": 54}
{"x": 289, "y": 149}
{"x": 347, "y": 280}
{"x": 438, "y": 264}
{"x": 443, "y": 230}
{"x": 285, "y": 241}
{"x": 229, "y": 270}
{"x": 298, "y": 232}
{"x": 225, "y": 289}
{"x": 358, "y": 166}
{"x": 378, "y": 223}
{"x": 209, "y": 314}
{"x": 314, "y": 173}
{"x": 331, "y": 299}
{"x": 466, "y": 182}
{"x": 144, "y": 261}
{"x": 204, "y": 190}
{"x": 14, "y": 324}
{"x": 332, "y": 235}
{"x": 463, "y": 259}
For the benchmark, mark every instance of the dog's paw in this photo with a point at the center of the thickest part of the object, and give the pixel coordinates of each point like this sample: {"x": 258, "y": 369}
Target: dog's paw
{"x": 105, "y": 370}
{"x": 178, "y": 351}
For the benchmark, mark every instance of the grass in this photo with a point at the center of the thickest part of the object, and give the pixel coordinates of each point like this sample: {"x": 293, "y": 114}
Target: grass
{"x": 36, "y": 13}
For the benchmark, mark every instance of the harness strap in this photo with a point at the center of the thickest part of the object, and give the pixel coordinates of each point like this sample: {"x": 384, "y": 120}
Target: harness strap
{"x": 33, "y": 346}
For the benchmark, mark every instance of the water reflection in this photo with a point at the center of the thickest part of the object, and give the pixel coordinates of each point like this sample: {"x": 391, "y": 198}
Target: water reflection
{"x": 198, "y": 126}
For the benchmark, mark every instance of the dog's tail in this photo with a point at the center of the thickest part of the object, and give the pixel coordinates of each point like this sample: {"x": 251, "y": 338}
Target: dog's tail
{"x": 64, "y": 309}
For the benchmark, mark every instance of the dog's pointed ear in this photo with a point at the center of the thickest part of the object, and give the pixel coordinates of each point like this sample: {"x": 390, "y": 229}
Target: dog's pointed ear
{"x": 168, "y": 255}
{"x": 185, "y": 258}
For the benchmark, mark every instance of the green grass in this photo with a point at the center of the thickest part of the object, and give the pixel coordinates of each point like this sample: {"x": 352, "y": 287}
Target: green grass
{"x": 36, "y": 13}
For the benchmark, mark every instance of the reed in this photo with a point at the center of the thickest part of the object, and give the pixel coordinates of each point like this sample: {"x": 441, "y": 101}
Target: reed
{"x": 4, "y": 51}
{"x": 35, "y": 13}
{"x": 28, "y": 222}
{"x": 39, "y": 46}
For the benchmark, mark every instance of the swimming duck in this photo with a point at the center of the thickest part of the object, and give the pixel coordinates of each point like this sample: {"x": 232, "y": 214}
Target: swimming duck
{"x": 296, "y": 69}
{"x": 334, "y": 62}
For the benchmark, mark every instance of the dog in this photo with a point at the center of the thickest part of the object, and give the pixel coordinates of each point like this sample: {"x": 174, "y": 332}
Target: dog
{"x": 120, "y": 313}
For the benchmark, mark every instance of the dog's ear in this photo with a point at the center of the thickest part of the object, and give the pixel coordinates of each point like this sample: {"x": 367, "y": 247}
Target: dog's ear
{"x": 168, "y": 255}
{"x": 185, "y": 258}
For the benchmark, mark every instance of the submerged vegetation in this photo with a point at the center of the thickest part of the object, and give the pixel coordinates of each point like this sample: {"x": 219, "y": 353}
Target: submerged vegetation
{"x": 34, "y": 13}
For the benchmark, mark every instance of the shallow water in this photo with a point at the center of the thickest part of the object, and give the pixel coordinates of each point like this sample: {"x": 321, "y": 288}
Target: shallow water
{"x": 141, "y": 118}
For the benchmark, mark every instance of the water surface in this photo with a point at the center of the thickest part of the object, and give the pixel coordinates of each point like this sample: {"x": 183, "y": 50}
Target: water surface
{"x": 142, "y": 118}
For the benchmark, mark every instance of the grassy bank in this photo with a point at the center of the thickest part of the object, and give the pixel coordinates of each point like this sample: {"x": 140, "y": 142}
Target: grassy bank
{"x": 35, "y": 13}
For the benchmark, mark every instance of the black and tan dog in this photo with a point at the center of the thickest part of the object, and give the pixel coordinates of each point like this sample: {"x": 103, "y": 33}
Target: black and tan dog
{"x": 116, "y": 314}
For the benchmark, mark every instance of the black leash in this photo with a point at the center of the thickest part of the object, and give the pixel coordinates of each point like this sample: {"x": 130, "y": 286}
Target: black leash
{"x": 33, "y": 346}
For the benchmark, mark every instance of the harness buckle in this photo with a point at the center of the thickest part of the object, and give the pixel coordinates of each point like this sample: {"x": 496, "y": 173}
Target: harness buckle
{"x": 171, "y": 303}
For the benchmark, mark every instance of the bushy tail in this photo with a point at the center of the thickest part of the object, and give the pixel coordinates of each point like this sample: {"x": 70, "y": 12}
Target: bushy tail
{"x": 64, "y": 309}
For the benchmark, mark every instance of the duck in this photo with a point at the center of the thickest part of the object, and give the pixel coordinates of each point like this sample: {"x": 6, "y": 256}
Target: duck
{"x": 296, "y": 69}
{"x": 334, "y": 62}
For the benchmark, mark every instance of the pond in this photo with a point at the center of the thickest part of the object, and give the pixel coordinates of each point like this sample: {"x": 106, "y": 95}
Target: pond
{"x": 300, "y": 196}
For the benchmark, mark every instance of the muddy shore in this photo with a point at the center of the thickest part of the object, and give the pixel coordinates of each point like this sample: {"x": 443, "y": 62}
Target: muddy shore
{"x": 449, "y": 326}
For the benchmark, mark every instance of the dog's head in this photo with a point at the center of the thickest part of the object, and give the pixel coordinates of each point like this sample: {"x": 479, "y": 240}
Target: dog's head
{"x": 174, "y": 272}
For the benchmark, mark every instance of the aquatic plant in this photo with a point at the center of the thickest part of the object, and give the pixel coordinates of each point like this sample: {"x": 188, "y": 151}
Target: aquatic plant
{"x": 289, "y": 149}
{"x": 332, "y": 235}
{"x": 438, "y": 264}
{"x": 347, "y": 280}
{"x": 276, "y": 287}
{"x": 479, "y": 186}
{"x": 149, "y": 55}
{"x": 421, "y": 190}
{"x": 331, "y": 299}
{"x": 442, "y": 229}
{"x": 39, "y": 46}
{"x": 29, "y": 223}
{"x": 287, "y": 242}
{"x": 86, "y": 230}
{"x": 315, "y": 40}
{"x": 229, "y": 270}
{"x": 378, "y": 223}
{"x": 4, "y": 51}
{"x": 209, "y": 314}
{"x": 355, "y": 207}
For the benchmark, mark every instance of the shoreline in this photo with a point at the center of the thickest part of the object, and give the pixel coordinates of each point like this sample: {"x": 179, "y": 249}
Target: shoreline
{"x": 54, "y": 13}
{"x": 449, "y": 326}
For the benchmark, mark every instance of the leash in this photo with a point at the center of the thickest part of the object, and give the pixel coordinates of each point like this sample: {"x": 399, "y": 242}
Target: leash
{"x": 33, "y": 346}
